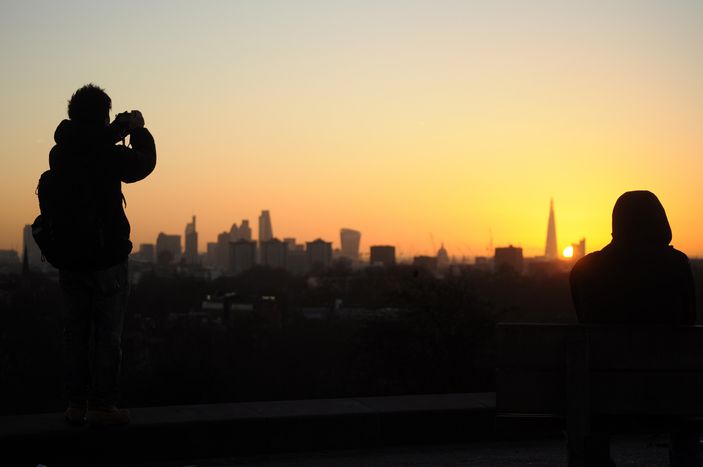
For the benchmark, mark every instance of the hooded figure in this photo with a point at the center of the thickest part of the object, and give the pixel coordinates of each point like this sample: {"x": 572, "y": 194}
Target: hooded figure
{"x": 638, "y": 277}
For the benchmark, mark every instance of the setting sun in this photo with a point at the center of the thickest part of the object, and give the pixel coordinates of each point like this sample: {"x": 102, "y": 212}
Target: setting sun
{"x": 568, "y": 251}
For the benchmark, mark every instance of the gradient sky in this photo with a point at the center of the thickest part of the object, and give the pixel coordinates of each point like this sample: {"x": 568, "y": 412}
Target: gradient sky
{"x": 412, "y": 121}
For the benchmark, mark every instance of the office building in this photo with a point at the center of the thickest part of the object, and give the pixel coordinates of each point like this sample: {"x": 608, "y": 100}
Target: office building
{"x": 191, "y": 243}
{"x": 319, "y": 254}
{"x": 265, "y": 228}
{"x": 382, "y": 255}
{"x": 245, "y": 230}
{"x": 350, "y": 241}
{"x": 242, "y": 232}
{"x": 274, "y": 253}
{"x": 242, "y": 256}
{"x": 211, "y": 257}
{"x": 168, "y": 249}
{"x": 508, "y": 258}
{"x": 146, "y": 253}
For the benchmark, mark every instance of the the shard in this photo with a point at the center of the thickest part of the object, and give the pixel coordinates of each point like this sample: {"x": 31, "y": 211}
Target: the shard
{"x": 551, "y": 251}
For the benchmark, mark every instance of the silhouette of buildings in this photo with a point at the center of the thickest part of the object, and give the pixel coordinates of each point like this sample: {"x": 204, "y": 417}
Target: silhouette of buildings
{"x": 265, "y": 228}
{"x": 9, "y": 257}
{"x": 508, "y": 258}
{"x": 191, "y": 243}
{"x": 425, "y": 262}
{"x": 222, "y": 261}
{"x": 243, "y": 232}
{"x": 168, "y": 249}
{"x": 551, "y": 251}
{"x": 350, "y": 240}
{"x": 146, "y": 253}
{"x": 242, "y": 256}
{"x": 219, "y": 253}
{"x": 292, "y": 245}
{"x": 382, "y": 255}
{"x": 33, "y": 252}
{"x": 319, "y": 254}
{"x": 579, "y": 249}
{"x": 211, "y": 254}
{"x": 274, "y": 253}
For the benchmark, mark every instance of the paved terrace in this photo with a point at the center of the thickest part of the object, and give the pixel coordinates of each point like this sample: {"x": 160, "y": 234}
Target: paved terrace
{"x": 418, "y": 430}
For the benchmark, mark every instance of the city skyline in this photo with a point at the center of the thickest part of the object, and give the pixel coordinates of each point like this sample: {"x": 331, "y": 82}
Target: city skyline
{"x": 352, "y": 250}
{"x": 407, "y": 120}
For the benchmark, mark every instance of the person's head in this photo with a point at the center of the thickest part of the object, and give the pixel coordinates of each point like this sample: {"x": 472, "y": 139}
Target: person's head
{"x": 90, "y": 105}
{"x": 639, "y": 218}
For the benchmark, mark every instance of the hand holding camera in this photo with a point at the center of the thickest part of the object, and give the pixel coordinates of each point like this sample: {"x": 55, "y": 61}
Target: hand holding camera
{"x": 129, "y": 121}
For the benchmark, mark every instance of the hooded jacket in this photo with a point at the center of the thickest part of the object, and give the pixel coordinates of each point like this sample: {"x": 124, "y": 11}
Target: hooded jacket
{"x": 92, "y": 167}
{"x": 638, "y": 277}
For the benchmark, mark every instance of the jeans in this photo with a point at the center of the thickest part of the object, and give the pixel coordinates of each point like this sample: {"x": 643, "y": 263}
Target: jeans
{"x": 94, "y": 304}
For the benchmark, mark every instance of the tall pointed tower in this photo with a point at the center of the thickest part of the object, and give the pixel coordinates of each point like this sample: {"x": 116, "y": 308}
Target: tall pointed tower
{"x": 550, "y": 251}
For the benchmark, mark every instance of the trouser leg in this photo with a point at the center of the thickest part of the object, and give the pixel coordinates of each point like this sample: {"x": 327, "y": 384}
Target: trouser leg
{"x": 77, "y": 324}
{"x": 110, "y": 305}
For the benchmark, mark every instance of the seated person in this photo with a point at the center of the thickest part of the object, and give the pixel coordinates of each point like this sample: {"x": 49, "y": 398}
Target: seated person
{"x": 638, "y": 278}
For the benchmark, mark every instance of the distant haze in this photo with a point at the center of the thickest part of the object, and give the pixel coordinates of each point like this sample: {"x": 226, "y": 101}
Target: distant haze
{"x": 414, "y": 122}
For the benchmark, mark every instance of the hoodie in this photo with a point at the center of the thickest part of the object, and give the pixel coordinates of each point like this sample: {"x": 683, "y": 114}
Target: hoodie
{"x": 91, "y": 168}
{"x": 638, "y": 277}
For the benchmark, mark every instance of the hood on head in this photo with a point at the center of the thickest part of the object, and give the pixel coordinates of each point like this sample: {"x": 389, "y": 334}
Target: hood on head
{"x": 639, "y": 218}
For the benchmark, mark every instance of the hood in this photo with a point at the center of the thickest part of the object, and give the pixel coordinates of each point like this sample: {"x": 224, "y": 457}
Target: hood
{"x": 639, "y": 219}
{"x": 72, "y": 134}
{"x": 78, "y": 145}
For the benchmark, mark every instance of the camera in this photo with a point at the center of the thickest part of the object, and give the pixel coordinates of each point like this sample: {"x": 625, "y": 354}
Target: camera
{"x": 128, "y": 121}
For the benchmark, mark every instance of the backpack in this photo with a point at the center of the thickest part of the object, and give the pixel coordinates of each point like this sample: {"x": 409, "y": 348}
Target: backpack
{"x": 70, "y": 229}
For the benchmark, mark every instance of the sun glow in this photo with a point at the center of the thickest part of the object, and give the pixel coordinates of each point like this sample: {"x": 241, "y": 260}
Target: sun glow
{"x": 568, "y": 252}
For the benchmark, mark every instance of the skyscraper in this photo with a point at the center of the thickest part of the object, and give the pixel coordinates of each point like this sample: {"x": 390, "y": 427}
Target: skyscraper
{"x": 242, "y": 256}
{"x": 223, "y": 250}
{"x": 265, "y": 228}
{"x": 31, "y": 249}
{"x": 168, "y": 249}
{"x": 350, "y": 240}
{"x": 245, "y": 230}
{"x": 551, "y": 251}
{"x": 191, "y": 243}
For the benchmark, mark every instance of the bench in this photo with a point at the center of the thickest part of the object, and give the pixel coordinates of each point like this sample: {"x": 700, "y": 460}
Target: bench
{"x": 594, "y": 377}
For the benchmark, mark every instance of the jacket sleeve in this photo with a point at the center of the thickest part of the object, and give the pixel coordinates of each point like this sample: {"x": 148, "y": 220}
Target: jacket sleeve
{"x": 137, "y": 162}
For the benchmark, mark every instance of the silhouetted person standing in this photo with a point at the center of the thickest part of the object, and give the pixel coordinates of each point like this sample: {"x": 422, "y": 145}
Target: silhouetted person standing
{"x": 82, "y": 206}
{"x": 637, "y": 279}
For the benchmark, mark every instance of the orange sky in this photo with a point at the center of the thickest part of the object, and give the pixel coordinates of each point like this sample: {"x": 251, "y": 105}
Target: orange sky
{"x": 413, "y": 122}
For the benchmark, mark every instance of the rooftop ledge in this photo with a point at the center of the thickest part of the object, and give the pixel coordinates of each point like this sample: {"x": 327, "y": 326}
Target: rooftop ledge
{"x": 175, "y": 432}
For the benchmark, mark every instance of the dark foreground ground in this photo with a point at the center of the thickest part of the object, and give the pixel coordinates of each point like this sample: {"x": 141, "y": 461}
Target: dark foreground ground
{"x": 419, "y": 430}
{"x": 644, "y": 451}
